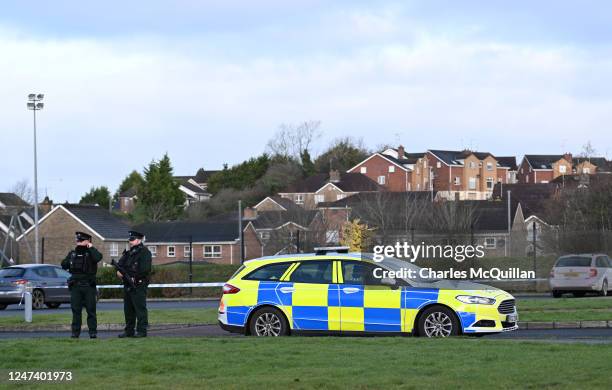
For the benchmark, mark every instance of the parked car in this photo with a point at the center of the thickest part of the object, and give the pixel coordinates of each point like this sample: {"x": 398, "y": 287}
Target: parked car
{"x": 42, "y": 277}
{"x": 580, "y": 274}
{"x": 339, "y": 292}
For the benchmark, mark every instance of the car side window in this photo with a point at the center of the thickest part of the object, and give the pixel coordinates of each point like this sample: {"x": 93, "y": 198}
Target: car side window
{"x": 357, "y": 272}
{"x": 45, "y": 272}
{"x": 313, "y": 272}
{"x": 61, "y": 273}
{"x": 271, "y": 272}
{"x": 601, "y": 262}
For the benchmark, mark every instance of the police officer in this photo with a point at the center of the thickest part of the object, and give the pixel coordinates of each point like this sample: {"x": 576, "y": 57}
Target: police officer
{"x": 82, "y": 263}
{"x": 137, "y": 263}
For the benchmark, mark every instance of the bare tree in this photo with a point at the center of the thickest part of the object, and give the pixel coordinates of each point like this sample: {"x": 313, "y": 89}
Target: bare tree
{"x": 587, "y": 150}
{"x": 23, "y": 190}
{"x": 291, "y": 140}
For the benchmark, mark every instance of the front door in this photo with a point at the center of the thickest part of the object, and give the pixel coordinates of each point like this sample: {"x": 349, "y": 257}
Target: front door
{"x": 366, "y": 303}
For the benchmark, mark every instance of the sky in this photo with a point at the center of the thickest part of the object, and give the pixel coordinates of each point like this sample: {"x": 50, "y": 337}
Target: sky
{"x": 210, "y": 82}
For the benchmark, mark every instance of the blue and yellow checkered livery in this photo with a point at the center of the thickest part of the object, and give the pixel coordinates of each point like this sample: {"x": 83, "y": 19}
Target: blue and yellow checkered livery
{"x": 340, "y": 306}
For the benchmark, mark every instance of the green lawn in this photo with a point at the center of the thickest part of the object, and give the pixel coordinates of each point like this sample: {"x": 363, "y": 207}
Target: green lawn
{"x": 156, "y": 316}
{"x": 308, "y": 362}
{"x": 565, "y": 309}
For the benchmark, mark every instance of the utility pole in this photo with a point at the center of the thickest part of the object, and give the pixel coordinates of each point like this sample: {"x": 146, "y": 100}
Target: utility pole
{"x": 240, "y": 238}
{"x": 35, "y": 104}
{"x": 508, "y": 241}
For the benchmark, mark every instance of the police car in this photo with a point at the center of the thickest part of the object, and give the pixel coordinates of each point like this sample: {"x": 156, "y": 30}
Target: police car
{"x": 333, "y": 291}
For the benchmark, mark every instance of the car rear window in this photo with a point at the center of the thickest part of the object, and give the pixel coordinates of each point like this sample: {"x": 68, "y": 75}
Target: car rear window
{"x": 11, "y": 272}
{"x": 574, "y": 261}
{"x": 268, "y": 272}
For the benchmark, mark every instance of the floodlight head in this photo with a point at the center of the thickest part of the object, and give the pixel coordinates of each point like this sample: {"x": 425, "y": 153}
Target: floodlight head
{"x": 32, "y": 96}
{"x": 30, "y": 106}
{"x": 39, "y": 106}
{"x": 40, "y": 96}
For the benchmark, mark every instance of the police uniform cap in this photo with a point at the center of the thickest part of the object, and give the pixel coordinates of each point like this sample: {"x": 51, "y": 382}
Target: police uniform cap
{"x": 80, "y": 236}
{"x": 135, "y": 235}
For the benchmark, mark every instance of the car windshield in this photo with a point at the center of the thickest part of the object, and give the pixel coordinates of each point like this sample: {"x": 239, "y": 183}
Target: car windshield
{"x": 574, "y": 261}
{"x": 11, "y": 272}
{"x": 394, "y": 264}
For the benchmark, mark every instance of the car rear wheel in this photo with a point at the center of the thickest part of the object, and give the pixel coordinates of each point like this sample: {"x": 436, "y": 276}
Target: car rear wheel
{"x": 604, "y": 289}
{"x": 3, "y": 306}
{"x": 38, "y": 299}
{"x": 268, "y": 321}
{"x": 438, "y": 321}
{"x": 53, "y": 305}
{"x": 557, "y": 294}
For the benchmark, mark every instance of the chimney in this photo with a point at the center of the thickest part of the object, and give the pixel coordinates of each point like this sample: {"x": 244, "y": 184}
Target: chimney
{"x": 46, "y": 205}
{"x": 249, "y": 213}
{"x": 400, "y": 152}
{"x": 568, "y": 157}
{"x": 334, "y": 176}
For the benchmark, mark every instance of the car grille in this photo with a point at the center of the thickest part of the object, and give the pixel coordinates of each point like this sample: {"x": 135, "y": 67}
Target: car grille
{"x": 507, "y": 306}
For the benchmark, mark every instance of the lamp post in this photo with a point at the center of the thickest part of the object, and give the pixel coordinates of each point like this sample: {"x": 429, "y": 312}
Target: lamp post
{"x": 35, "y": 104}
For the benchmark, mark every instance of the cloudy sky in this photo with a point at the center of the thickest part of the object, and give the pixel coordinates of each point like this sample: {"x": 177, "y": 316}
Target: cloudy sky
{"x": 209, "y": 82}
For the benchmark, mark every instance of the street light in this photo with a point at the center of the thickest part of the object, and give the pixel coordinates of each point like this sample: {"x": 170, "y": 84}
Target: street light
{"x": 35, "y": 104}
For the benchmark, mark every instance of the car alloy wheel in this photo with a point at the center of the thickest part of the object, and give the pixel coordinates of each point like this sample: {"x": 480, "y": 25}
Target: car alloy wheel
{"x": 438, "y": 324}
{"x": 38, "y": 299}
{"x": 268, "y": 324}
{"x": 604, "y": 288}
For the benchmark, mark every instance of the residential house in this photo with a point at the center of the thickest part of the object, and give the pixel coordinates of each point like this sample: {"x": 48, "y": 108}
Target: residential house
{"x": 127, "y": 201}
{"x": 591, "y": 165}
{"x": 541, "y": 168}
{"x": 58, "y": 226}
{"x": 195, "y": 187}
{"x": 215, "y": 242}
{"x": 324, "y": 187}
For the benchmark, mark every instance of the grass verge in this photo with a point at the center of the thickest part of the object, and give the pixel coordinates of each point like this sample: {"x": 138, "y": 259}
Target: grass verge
{"x": 565, "y": 309}
{"x": 307, "y": 362}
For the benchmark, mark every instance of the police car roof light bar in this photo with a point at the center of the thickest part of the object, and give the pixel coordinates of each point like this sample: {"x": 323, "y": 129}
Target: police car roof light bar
{"x": 323, "y": 250}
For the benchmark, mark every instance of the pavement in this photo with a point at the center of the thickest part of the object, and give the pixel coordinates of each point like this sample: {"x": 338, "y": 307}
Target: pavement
{"x": 583, "y": 336}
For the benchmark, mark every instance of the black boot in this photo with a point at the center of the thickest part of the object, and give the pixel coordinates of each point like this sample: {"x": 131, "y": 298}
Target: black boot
{"x": 74, "y": 335}
{"x": 125, "y": 334}
{"x": 93, "y": 335}
{"x": 140, "y": 335}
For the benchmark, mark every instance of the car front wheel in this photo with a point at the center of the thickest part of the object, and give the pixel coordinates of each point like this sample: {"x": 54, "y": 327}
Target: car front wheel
{"x": 438, "y": 321}
{"x": 604, "y": 289}
{"x": 268, "y": 321}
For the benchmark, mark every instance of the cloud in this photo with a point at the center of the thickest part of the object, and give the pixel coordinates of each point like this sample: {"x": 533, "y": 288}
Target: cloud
{"x": 113, "y": 104}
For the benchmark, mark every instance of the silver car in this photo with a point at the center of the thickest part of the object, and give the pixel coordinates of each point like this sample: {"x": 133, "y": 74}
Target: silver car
{"x": 580, "y": 274}
{"x": 49, "y": 284}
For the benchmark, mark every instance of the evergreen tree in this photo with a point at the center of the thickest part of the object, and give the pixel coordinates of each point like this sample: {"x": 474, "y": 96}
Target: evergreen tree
{"x": 161, "y": 198}
{"x": 308, "y": 167}
{"x": 97, "y": 195}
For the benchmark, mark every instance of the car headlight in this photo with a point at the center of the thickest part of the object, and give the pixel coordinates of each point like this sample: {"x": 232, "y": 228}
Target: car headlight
{"x": 475, "y": 299}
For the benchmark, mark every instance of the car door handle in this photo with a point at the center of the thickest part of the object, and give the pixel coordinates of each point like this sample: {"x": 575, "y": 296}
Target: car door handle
{"x": 287, "y": 290}
{"x": 350, "y": 290}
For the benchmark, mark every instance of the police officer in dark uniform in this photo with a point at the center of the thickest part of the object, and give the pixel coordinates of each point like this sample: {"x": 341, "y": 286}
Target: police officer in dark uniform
{"x": 82, "y": 263}
{"x": 137, "y": 263}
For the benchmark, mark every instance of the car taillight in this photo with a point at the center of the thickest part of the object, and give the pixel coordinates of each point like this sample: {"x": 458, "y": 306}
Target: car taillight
{"x": 592, "y": 273}
{"x": 20, "y": 282}
{"x": 229, "y": 289}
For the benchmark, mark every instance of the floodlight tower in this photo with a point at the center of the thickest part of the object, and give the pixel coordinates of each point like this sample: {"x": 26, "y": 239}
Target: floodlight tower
{"x": 35, "y": 104}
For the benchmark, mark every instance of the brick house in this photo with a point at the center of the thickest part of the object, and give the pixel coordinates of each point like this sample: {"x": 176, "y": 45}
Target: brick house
{"x": 57, "y": 228}
{"x": 322, "y": 187}
{"x": 215, "y": 242}
{"x": 590, "y": 165}
{"x": 392, "y": 169}
{"x": 127, "y": 201}
{"x": 541, "y": 168}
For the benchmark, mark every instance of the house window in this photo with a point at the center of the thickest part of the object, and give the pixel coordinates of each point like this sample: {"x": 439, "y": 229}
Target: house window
{"x": 489, "y": 166}
{"x": 418, "y": 171}
{"x": 331, "y": 236}
{"x": 439, "y": 164}
{"x": 418, "y": 186}
{"x": 114, "y": 249}
{"x": 153, "y": 250}
{"x": 391, "y": 169}
{"x": 264, "y": 235}
{"x": 319, "y": 198}
{"x": 299, "y": 198}
{"x": 186, "y": 251}
{"x": 212, "y": 251}
{"x": 527, "y": 179}
{"x": 457, "y": 180}
{"x": 171, "y": 251}
{"x": 340, "y": 196}
{"x": 586, "y": 170}
{"x": 425, "y": 163}
{"x": 489, "y": 183}
{"x": 381, "y": 180}
{"x": 490, "y": 243}
{"x": 363, "y": 170}
{"x": 562, "y": 168}
{"x": 472, "y": 183}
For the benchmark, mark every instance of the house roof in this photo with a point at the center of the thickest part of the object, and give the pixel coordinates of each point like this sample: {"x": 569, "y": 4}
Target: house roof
{"x": 10, "y": 199}
{"x": 202, "y": 176}
{"x": 365, "y": 197}
{"x": 407, "y": 158}
{"x": 285, "y": 203}
{"x": 507, "y": 162}
{"x": 185, "y": 231}
{"x": 532, "y": 197}
{"x": 542, "y": 161}
{"x": 597, "y": 161}
{"x": 100, "y": 220}
{"x": 276, "y": 219}
{"x": 349, "y": 182}
{"x": 453, "y": 157}
{"x": 185, "y": 182}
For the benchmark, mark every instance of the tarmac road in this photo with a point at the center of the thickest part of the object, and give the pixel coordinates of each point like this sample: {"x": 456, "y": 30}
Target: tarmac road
{"x": 585, "y": 336}
{"x": 13, "y": 310}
